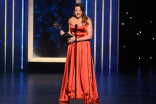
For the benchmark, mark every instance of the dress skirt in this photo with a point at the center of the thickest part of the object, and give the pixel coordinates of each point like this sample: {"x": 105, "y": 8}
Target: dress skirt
{"x": 85, "y": 75}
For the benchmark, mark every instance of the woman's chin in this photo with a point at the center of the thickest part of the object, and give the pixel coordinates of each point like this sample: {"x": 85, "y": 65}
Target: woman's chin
{"x": 78, "y": 16}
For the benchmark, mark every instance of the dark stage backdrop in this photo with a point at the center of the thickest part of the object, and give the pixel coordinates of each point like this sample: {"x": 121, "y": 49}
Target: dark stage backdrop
{"x": 104, "y": 16}
{"x": 137, "y": 35}
{"x": 47, "y": 41}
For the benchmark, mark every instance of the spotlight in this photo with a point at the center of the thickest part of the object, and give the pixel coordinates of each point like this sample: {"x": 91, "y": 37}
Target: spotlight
{"x": 130, "y": 17}
{"x": 123, "y": 24}
{"x": 150, "y": 21}
{"x": 139, "y": 58}
{"x": 126, "y": 12}
{"x": 150, "y": 57}
{"x": 123, "y": 46}
{"x": 137, "y": 33}
{"x": 152, "y": 38}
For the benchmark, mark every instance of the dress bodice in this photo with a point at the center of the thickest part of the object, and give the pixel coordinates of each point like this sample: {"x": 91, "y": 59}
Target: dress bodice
{"x": 81, "y": 30}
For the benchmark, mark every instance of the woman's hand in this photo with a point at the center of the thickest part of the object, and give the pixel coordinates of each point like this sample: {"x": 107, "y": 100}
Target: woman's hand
{"x": 70, "y": 34}
{"x": 61, "y": 32}
{"x": 71, "y": 40}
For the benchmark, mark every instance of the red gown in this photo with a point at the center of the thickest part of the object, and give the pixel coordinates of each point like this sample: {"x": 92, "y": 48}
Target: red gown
{"x": 85, "y": 75}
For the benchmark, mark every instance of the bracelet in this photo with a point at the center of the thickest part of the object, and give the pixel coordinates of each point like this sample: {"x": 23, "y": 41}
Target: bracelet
{"x": 76, "y": 39}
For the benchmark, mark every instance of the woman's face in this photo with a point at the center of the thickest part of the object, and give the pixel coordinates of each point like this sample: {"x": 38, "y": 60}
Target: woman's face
{"x": 78, "y": 11}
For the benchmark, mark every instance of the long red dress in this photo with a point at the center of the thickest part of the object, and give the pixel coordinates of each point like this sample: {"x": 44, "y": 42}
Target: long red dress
{"x": 86, "y": 81}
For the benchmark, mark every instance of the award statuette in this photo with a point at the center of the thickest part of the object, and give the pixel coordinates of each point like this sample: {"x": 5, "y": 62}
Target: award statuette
{"x": 66, "y": 35}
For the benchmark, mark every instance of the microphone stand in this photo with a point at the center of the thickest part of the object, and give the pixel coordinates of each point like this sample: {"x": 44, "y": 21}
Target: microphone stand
{"x": 76, "y": 101}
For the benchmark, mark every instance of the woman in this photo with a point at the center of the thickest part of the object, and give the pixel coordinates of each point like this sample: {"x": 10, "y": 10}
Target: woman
{"x": 86, "y": 81}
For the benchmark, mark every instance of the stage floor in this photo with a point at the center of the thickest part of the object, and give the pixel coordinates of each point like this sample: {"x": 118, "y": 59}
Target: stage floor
{"x": 44, "y": 88}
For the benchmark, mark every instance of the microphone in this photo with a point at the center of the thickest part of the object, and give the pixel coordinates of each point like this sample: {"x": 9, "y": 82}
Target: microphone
{"x": 75, "y": 33}
{"x": 75, "y": 26}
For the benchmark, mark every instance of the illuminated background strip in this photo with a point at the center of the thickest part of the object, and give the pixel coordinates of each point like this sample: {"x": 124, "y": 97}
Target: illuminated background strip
{"x": 13, "y": 35}
{"x": 95, "y": 37}
{"x": 22, "y": 34}
{"x": 86, "y": 6}
{"x": 5, "y": 35}
{"x": 110, "y": 35}
{"x": 118, "y": 39}
{"x": 102, "y": 43}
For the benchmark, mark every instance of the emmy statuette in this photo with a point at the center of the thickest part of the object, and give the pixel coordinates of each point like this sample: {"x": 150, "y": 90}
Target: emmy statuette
{"x": 66, "y": 35}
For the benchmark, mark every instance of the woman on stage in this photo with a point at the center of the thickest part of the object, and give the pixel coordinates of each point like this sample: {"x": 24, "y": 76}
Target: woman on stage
{"x": 85, "y": 76}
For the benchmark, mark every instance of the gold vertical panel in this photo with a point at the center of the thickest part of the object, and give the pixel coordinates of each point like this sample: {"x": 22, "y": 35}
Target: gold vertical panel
{"x": 102, "y": 43}
{"x": 78, "y": 1}
{"x": 118, "y": 38}
{"x": 30, "y": 30}
{"x": 110, "y": 35}
{"x": 30, "y": 40}
{"x": 13, "y": 35}
{"x": 5, "y": 34}
{"x": 95, "y": 36}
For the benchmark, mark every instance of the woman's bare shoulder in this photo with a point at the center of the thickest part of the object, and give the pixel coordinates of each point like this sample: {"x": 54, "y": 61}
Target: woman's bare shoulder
{"x": 71, "y": 18}
{"x": 89, "y": 20}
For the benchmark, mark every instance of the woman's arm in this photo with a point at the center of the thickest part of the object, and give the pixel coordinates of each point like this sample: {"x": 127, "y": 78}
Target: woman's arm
{"x": 89, "y": 31}
{"x": 69, "y": 30}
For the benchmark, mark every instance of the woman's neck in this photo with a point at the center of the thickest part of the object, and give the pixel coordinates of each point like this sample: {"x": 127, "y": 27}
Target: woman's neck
{"x": 78, "y": 17}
